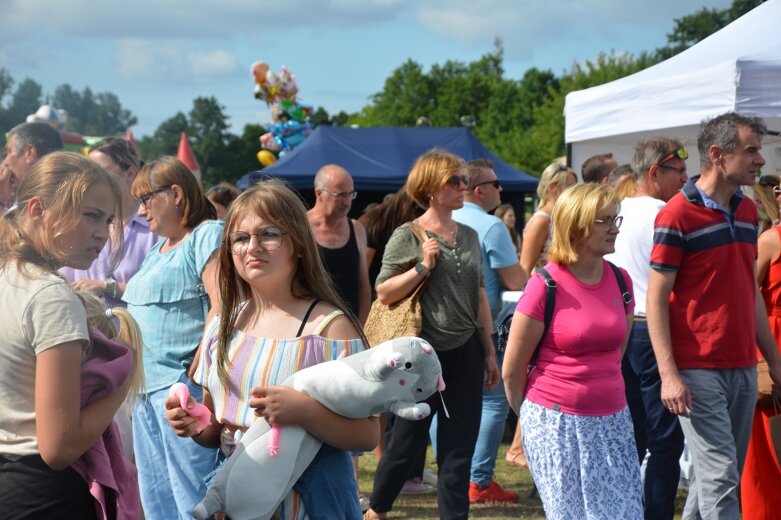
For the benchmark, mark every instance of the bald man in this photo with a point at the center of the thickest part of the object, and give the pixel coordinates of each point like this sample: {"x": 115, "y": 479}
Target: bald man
{"x": 341, "y": 240}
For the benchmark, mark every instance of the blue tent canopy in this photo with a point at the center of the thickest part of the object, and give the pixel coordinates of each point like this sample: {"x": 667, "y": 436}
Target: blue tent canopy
{"x": 379, "y": 159}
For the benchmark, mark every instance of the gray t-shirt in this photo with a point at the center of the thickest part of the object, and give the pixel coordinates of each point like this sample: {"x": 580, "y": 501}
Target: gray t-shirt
{"x": 38, "y": 313}
{"x": 451, "y": 297}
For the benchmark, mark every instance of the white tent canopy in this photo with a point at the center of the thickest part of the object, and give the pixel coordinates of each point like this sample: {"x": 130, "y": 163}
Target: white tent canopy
{"x": 738, "y": 68}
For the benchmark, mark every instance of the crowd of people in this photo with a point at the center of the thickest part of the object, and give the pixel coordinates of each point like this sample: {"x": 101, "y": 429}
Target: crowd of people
{"x": 648, "y": 297}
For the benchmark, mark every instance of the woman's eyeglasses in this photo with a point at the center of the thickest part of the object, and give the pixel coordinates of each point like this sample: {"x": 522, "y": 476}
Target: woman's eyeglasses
{"x": 269, "y": 238}
{"x": 146, "y": 197}
{"x": 610, "y": 221}
{"x": 455, "y": 180}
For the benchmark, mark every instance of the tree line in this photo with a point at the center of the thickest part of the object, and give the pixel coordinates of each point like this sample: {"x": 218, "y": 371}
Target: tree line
{"x": 521, "y": 120}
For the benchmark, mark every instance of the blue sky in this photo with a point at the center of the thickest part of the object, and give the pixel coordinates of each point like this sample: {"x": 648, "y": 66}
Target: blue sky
{"x": 157, "y": 56}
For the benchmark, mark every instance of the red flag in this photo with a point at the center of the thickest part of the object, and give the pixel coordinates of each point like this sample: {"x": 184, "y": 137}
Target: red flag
{"x": 132, "y": 141}
{"x": 186, "y": 155}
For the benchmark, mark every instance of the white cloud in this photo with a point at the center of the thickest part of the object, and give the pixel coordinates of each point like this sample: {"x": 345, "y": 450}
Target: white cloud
{"x": 136, "y": 58}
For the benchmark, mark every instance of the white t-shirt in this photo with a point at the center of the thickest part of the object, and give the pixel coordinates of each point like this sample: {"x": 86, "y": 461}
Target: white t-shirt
{"x": 634, "y": 243}
{"x": 38, "y": 312}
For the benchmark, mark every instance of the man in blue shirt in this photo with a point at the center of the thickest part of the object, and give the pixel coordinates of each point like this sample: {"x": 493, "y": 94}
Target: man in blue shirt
{"x": 501, "y": 271}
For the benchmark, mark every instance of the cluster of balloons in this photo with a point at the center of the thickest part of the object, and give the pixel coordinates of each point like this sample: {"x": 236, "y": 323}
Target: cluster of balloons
{"x": 291, "y": 119}
{"x": 48, "y": 114}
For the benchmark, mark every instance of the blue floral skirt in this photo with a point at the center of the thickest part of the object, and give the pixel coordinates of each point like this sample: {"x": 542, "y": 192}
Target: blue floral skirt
{"x": 584, "y": 467}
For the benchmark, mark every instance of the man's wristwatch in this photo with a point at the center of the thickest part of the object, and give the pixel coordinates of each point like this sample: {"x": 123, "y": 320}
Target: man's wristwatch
{"x": 421, "y": 269}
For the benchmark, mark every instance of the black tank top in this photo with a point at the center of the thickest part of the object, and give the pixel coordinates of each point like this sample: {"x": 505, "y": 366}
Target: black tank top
{"x": 343, "y": 265}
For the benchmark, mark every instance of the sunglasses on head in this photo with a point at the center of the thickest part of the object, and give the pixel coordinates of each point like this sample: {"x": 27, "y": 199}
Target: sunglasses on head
{"x": 455, "y": 180}
{"x": 680, "y": 153}
{"x": 768, "y": 181}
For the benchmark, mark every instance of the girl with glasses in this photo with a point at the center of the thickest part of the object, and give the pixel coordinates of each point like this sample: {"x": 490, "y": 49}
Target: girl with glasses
{"x": 279, "y": 314}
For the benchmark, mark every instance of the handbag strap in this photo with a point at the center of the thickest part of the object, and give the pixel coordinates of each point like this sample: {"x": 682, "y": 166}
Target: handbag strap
{"x": 420, "y": 235}
{"x": 418, "y": 231}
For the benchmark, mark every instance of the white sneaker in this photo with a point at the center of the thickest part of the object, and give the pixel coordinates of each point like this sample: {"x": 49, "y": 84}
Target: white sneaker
{"x": 429, "y": 477}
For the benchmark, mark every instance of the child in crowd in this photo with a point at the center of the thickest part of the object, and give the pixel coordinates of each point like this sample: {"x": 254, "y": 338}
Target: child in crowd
{"x": 67, "y": 206}
{"x": 279, "y": 314}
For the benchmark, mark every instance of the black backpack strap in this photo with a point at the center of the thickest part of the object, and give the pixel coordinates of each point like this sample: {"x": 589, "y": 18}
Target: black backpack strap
{"x": 550, "y": 298}
{"x": 550, "y": 303}
{"x": 627, "y": 297}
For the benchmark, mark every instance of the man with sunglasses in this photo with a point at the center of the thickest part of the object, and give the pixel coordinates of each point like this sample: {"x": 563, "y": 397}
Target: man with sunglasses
{"x": 706, "y": 315}
{"x": 501, "y": 271}
{"x": 340, "y": 239}
{"x": 661, "y": 170}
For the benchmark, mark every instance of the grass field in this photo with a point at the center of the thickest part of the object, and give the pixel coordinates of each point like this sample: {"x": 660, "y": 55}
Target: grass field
{"x": 424, "y": 507}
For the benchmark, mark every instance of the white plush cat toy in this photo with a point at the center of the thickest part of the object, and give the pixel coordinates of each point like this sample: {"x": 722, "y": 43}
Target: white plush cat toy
{"x": 391, "y": 377}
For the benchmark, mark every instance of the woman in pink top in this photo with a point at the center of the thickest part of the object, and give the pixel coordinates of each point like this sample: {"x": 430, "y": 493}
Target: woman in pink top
{"x": 576, "y": 425}
{"x": 537, "y": 237}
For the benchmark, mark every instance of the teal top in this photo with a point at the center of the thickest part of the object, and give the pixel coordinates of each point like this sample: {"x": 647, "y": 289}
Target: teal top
{"x": 169, "y": 301}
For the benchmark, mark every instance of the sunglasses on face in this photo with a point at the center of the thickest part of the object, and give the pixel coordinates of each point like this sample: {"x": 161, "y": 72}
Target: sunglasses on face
{"x": 455, "y": 180}
{"x": 146, "y": 197}
{"x": 496, "y": 184}
{"x": 680, "y": 153}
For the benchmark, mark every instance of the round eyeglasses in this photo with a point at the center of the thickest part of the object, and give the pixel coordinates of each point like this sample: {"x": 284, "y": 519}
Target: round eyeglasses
{"x": 269, "y": 238}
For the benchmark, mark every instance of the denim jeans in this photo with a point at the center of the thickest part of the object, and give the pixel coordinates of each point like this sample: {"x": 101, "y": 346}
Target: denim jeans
{"x": 492, "y": 419}
{"x": 171, "y": 469}
{"x": 663, "y": 435}
{"x": 328, "y": 487}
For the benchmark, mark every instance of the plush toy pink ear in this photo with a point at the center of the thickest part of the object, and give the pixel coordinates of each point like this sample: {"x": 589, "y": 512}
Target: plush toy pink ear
{"x": 204, "y": 415}
{"x": 440, "y": 383}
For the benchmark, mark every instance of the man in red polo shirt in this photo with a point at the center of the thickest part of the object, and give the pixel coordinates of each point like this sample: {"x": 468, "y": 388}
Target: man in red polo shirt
{"x": 705, "y": 312}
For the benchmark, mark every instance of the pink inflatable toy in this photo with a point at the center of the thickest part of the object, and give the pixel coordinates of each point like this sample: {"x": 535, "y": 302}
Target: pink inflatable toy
{"x": 204, "y": 415}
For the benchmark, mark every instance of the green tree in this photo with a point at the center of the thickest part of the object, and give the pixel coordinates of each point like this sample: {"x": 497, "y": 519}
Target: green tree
{"x": 165, "y": 140}
{"x": 208, "y": 132}
{"x": 26, "y": 99}
{"x": 406, "y": 96}
{"x": 242, "y": 152}
{"x": 545, "y": 138}
{"x": 695, "y": 27}
{"x": 92, "y": 114}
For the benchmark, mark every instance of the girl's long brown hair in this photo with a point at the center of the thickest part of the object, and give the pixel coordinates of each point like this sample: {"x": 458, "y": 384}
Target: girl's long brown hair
{"x": 277, "y": 204}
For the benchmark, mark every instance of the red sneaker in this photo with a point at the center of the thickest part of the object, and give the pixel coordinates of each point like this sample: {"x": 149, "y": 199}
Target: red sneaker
{"x": 493, "y": 492}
